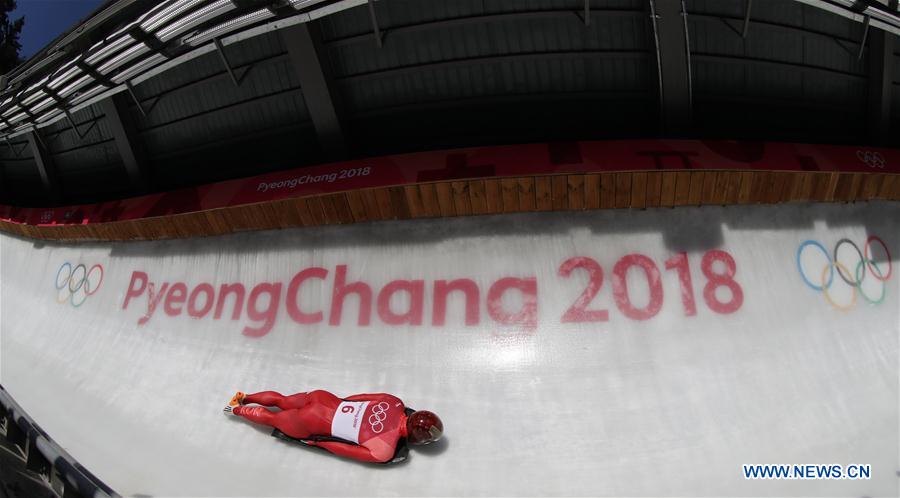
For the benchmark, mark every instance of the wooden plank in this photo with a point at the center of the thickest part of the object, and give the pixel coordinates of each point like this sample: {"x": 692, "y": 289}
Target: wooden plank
{"x": 745, "y": 190}
{"x": 124, "y": 230}
{"x": 527, "y": 198}
{"x": 762, "y": 182}
{"x": 592, "y": 191}
{"x": 682, "y": 188}
{"x": 331, "y": 216}
{"x": 543, "y": 193}
{"x": 275, "y": 208}
{"x": 638, "y": 190}
{"x": 730, "y": 186}
{"x": 215, "y": 220}
{"x": 399, "y": 206}
{"x": 234, "y": 216}
{"x": 832, "y": 186}
{"x": 623, "y": 190}
{"x": 772, "y": 189}
{"x": 357, "y": 205}
{"x": 607, "y": 190}
{"x": 721, "y": 188}
{"x": 461, "y": 198}
{"x": 267, "y": 214}
{"x": 575, "y": 187}
{"x": 842, "y": 190}
{"x": 695, "y": 195}
{"x": 887, "y": 186}
{"x": 896, "y": 190}
{"x": 259, "y": 215}
{"x": 560, "y": 192}
{"x": 776, "y": 185}
{"x": 708, "y": 190}
{"x": 414, "y": 201}
{"x": 383, "y": 198}
{"x": 667, "y": 191}
{"x": 342, "y": 204}
{"x": 791, "y": 180}
{"x": 492, "y": 196}
{"x": 510, "y": 191}
{"x": 856, "y": 186}
{"x": 445, "y": 198}
{"x": 266, "y": 218}
{"x": 373, "y": 212}
{"x": 429, "y": 200}
{"x": 802, "y": 187}
{"x": 477, "y": 197}
{"x": 654, "y": 188}
{"x": 870, "y": 185}
{"x": 820, "y": 183}
{"x": 287, "y": 212}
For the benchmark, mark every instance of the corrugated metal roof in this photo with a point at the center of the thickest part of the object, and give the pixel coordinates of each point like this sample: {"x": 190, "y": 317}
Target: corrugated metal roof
{"x": 466, "y": 72}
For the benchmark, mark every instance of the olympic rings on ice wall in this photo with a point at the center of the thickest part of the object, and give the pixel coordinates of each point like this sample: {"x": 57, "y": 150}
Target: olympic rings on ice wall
{"x": 75, "y": 284}
{"x": 854, "y": 276}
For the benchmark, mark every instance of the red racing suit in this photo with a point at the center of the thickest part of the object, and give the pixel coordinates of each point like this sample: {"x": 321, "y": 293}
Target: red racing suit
{"x": 366, "y": 427}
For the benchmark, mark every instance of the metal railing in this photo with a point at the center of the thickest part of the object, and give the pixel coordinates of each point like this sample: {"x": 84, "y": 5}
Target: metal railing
{"x": 46, "y": 458}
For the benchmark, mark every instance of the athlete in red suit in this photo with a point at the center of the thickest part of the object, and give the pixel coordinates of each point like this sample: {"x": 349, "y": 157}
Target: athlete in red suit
{"x": 366, "y": 427}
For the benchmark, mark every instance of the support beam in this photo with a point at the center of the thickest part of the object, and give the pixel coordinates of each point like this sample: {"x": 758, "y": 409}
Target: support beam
{"x": 673, "y": 64}
{"x": 748, "y": 6}
{"x": 307, "y": 56}
{"x": 221, "y": 50}
{"x": 45, "y": 166}
{"x": 881, "y": 69}
{"x": 376, "y": 32}
{"x": 124, "y": 133}
{"x": 865, "y": 36}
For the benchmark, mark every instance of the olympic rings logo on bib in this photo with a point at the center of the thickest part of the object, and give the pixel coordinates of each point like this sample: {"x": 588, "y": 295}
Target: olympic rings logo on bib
{"x": 856, "y": 277}
{"x": 376, "y": 419}
{"x": 75, "y": 283}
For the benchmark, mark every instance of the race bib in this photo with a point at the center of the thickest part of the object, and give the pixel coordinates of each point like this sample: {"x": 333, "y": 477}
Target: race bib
{"x": 348, "y": 419}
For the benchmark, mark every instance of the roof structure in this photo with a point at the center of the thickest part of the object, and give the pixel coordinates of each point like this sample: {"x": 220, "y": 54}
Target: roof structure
{"x": 149, "y": 96}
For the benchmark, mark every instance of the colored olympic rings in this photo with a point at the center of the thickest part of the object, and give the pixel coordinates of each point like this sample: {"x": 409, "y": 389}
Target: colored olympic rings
{"x": 855, "y": 279}
{"x": 75, "y": 284}
{"x": 829, "y": 267}
{"x": 884, "y": 246}
{"x": 837, "y": 246}
{"x": 828, "y": 296}
{"x": 862, "y": 293}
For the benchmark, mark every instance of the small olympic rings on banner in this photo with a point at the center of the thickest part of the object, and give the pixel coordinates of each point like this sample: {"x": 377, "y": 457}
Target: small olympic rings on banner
{"x": 75, "y": 284}
{"x": 871, "y": 159}
{"x": 854, "y": 279}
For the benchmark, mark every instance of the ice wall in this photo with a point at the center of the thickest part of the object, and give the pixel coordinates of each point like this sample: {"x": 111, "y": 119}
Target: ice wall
{"x": 597, "y": 353}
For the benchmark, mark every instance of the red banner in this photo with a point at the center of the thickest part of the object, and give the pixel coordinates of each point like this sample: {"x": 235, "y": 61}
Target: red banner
{"x": 476, "y": 162}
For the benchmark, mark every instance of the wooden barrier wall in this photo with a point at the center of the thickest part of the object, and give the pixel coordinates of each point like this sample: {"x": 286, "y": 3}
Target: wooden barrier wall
{"x": 637, "y": 190}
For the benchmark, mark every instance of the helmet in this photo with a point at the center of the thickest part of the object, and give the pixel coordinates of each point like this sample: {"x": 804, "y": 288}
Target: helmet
{"x": 424, "y": 427}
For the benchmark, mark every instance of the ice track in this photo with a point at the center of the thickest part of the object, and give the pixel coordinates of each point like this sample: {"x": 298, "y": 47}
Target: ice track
{"x": 667, "y": 393}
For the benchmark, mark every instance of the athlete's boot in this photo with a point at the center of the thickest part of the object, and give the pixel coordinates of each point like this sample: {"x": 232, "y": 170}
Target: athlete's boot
{"x": 236, "y": 401}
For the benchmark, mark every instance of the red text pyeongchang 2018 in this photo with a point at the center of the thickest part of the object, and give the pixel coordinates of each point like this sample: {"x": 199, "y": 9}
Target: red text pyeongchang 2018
{"x": 262, "y": 302}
